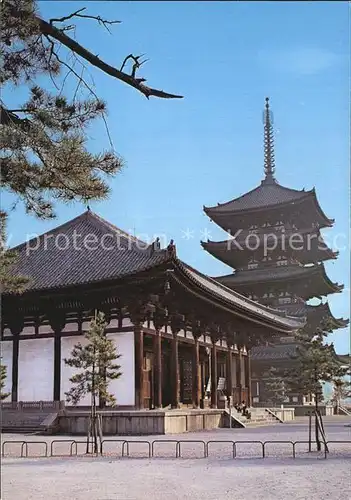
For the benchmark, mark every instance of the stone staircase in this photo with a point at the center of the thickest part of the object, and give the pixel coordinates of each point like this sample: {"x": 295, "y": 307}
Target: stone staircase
{"x": 259, "y": 417}
{"x": 29, "y": 418}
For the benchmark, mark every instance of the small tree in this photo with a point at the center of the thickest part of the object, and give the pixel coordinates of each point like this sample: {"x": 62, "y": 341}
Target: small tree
{"x": 274, "y": 387}
{"x": 3, "y": 375}
{"x": 341, "y": 391}
{"x": 316, "y": 362}
{"x": 96, "y": 362}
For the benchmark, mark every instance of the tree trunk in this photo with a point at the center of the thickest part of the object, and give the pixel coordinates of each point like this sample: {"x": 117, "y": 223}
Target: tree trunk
{"x": 94, "y": 426}
{"x": 316, "y": 409}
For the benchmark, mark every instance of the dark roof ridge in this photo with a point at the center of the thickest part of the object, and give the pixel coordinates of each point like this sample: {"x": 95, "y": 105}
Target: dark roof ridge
{"x": 113, "y": 227}
{"x": 66, "y": 224}
{"x": 98, "y": 222}
{"x": 95, "y": 220}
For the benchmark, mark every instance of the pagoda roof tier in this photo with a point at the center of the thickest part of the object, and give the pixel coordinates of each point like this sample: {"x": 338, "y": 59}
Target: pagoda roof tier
{"x": 344, "y": 359}
{"x": 315, "y": 314}
{"x": 236, "y": 251}
{"x": 282, "y": 352}
{"x": 278, "y": 352}
{"x": 265, "y": 200}
{"x": 306, "y": 281}
{"x": 112, "y": 257}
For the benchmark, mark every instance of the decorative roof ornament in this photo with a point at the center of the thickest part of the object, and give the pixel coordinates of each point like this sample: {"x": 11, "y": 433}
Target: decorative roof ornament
{"x": 269, "y": 160}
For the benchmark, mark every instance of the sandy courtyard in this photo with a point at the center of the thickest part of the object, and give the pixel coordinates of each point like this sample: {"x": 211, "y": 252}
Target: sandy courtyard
{"x": 277, "y": 477}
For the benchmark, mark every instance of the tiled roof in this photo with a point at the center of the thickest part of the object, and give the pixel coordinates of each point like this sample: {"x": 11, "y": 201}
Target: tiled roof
{"x": 264, "y": 195}
{"x": 267, "y": 274}
{"x": 242, "y": 242}
{"x": 274, "y": 273}
{"x": 276, "y": 352}
{"x": 236, "y": 250}
{"x": 85, "y": 249}
{"x": 314, "y": 313}
{"x": 239, "y": 301}
{"x": 89, "y": 249}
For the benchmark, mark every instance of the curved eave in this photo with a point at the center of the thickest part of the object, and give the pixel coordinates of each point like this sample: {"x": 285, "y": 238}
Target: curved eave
{"x": 227, "y": 251}
{"x": 345, "y": 359}
{"x": 322, "y": 311}
{"x": 314, "y": 271}
{"x": 220, "y": 210}
{"x": 334, "y": 287}
{"x": 208, "y": 289}
{"x": 217, "y": 212}
{"x": 328, "y": 222}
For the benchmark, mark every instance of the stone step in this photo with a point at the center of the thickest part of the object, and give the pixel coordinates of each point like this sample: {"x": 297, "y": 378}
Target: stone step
{"x": 24, "y": 421}
{"x": 21, "y": 430}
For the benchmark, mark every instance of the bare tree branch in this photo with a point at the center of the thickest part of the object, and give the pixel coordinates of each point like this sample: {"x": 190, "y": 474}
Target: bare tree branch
{"x": 99, "y": 19}
{"x": 51, "y": 31}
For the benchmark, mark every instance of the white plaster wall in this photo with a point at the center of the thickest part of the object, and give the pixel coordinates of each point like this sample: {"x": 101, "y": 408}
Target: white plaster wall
{"x": 28, "y": 330}
{"x": 67, "y": 344}
{"x": 45, "y": 329}
{"x": 85, "y": 326}
{"x": 126, "y": 322}
{"x": 70, "y": 327}
{"x": 6, "y": 360}
{"x": 124, "y": 387}
{"x": 113, "y": 323}
{"x": 189, "y": 334}
{"x": 36, "y": 370}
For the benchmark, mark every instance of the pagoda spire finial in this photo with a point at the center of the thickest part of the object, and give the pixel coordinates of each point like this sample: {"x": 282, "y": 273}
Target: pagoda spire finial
{"x": 269, "y": 162}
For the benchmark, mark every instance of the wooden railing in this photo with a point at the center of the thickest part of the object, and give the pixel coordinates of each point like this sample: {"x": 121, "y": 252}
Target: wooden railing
{"x": 33, "y": 405}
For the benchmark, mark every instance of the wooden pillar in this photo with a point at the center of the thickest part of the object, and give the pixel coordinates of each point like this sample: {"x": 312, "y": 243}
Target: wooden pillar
{"x": 139, "y": 366}
{"x": 175, "y": 371}
{"x": 176, "y": 323}
{"x": 57, "y": 366}
{"x": 229, "y": 370}
{"x": 16, "y": 325}
{"x": 158, "y": 368}
{"x": 57, "y": 321}
{"x": 15, "y": 353}
{"x": 214, "y": 374}
{"x": 238, "y": 376}
{"x": 248, "y": 378}
{"x": 196, "y": 389}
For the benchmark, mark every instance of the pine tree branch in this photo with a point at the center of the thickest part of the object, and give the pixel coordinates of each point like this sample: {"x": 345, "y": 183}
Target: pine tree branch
{"x": 51, "y": 31}
{"x": 8, "y": 117}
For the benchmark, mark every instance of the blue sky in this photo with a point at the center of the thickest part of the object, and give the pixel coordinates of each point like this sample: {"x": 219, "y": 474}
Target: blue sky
{"x": 225, "y": 58}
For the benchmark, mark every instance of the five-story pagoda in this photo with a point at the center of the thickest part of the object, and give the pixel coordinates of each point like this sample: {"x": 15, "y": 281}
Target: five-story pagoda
{"x": 276, "y": 251}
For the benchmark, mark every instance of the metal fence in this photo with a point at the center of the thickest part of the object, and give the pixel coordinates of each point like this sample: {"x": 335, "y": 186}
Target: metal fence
{"x": 149, "y": 449}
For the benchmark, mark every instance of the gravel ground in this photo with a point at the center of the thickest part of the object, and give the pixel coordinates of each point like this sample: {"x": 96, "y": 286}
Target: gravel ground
{"x": 310, "y": 476}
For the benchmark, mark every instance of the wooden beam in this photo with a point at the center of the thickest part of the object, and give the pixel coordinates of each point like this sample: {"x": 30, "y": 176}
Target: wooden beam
{"x": 57, "y": 366}
{"x": 158, "y": 368}
{"x": 139, "y": 368}
{"x": 229, "y": 374}
{"x": 15, "y": 354}
{"x": 57, "y": 321}
{"x": 196, "y": 389}
{"x": 214, "y": 375}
